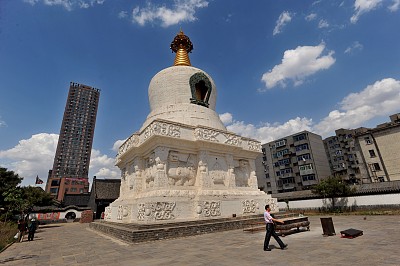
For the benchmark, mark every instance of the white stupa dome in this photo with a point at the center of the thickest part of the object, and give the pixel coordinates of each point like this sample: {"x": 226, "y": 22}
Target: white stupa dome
{"x": 182, "y": 93}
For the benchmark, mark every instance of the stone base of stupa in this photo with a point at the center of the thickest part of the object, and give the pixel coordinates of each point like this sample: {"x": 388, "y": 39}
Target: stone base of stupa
{"x": 173, "y": 172}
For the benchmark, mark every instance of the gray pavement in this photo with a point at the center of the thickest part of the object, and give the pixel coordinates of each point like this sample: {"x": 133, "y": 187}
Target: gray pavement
{"x": 71, "y": 244}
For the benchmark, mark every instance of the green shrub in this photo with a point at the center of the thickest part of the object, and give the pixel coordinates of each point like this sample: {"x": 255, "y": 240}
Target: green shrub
{"x": 7, "y": 233}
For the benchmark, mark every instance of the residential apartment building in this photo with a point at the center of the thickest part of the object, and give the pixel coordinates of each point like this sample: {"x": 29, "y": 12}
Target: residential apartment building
{"x": 344, "y": 156}
{"x": 380, "y": 149}
{"x": 292, "y": 163}
{"x": 72, "y": 158}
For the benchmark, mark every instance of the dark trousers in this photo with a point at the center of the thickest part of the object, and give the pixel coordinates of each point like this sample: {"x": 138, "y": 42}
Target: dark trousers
{"x": 271, "y": 232}
{"x": 31, "y": 235}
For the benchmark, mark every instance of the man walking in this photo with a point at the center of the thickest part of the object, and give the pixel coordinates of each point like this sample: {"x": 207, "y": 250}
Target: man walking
{"x": 269, "y": 221}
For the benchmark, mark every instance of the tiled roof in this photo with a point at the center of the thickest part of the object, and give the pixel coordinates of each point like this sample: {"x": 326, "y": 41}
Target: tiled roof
{"x": 106, "y": 189}
{"x": 80, "y": 200}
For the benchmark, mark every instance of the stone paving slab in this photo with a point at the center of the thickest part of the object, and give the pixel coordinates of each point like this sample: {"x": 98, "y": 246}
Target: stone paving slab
{"x": 76, "y": 244}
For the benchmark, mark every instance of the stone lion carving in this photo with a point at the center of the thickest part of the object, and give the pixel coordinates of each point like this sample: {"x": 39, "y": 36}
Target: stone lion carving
{"x": 181, "y": 169}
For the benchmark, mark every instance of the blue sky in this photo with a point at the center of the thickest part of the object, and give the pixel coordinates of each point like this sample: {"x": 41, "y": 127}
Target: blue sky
{"x": 279, "y": 66}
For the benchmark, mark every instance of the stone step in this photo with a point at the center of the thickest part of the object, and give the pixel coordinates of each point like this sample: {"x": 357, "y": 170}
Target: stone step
{"x": 135, "y": 233}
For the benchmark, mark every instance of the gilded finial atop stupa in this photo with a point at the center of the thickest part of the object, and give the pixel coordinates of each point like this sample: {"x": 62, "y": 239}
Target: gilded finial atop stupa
{"x": 181, "y": 45}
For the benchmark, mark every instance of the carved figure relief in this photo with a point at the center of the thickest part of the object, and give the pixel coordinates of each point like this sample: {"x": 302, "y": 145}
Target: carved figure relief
{"x": 156, "y": 211}
{"x": 242, "y": 174}
{"x": 181, "y": 169}
{"x": 249, "y": 206}
{"x": 150, "y": 171}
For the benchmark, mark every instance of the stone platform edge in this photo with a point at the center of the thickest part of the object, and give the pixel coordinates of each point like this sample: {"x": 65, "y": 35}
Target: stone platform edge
{"x": 133, "y": 233}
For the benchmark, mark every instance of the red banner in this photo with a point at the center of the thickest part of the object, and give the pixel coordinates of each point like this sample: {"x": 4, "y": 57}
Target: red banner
{"x": 48, "y": 216}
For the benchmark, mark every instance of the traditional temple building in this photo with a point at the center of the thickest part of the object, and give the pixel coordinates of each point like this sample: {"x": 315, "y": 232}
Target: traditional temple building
{"x": 183, "y": 164}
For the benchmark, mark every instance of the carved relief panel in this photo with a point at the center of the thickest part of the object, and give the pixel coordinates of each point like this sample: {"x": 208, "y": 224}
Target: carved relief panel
{"x": 181, "y": 169}
{"x": 209, "y": 208}
{"x": 242, "y": 174}
{"x": 152, "y": 211}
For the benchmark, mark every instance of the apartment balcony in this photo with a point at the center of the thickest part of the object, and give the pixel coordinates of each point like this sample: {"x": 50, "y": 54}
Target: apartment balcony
{"x": 288, "y": 186}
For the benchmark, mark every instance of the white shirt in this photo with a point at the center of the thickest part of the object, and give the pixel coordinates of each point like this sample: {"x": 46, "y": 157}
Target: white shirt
{"x": 268, "y": 218}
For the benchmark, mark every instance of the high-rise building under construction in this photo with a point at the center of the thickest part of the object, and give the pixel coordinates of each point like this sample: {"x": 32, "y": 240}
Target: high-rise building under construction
{"x": 72, "y": 158}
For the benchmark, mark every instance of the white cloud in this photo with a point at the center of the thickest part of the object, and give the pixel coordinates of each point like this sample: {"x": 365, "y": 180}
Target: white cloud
{"x": 323, "y": 24}
{"x": 122, "y": 14}
{"x": 376, "y": 100}
{"x": 395, "y": 6}
{"x": 226, "y": 118}
{"x": 2, "y": 123}
{"x": 355, "y": 46}
{"x": 297, "y": 64}
{"x": 68, "y": 4}
{"x": 283, "y": 19}
{"x": 379, "y": 99}
{"x": 102, "y": 166}
{"x": 362, "y": 7}
{"x": 34, "y": 156}
{"x": 118, "y": 144}
{"x": 182, "y": 11}
{"x": 267, "y": 132}
{"x": 310, "y": 17}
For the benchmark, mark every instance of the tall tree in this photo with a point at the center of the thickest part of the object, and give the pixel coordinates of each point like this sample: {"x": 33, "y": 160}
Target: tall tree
{"x": 8, "y": 180}
{"x": 333, "y": 187}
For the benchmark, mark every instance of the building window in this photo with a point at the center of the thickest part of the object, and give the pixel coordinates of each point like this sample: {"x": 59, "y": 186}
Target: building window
{"x": 377, "y": 167}
{"x": 268, "y": 184}
{"x": 53, "y": 190}
{"x": 372, "y": 153}
{"x": 302, "y": 147}
{"x": 381, "y": 179}
{"x": 308, "y": 177}
{"x": 267, "y": 175}
{"x": 304, "y": 157}
{"x": 280, "y": 143}
{"x": 305, "y": 167}
{"x": 73, "y": 189}
{"x": 299, "y": 137}
{"x": 367, "y": 140}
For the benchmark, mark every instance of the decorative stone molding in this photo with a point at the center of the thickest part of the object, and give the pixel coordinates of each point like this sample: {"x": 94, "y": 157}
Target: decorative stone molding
{"x": 254, "y": 145}
{"x": 232, "y": 139}
{"x": 107, "y": 213}
{"x": 155, "y": 211}
{"x": 132, "y": 141}
{"x": 120, "y": 211}
{"x": 206, "y": 134}
{"x": 164, "y": 129}
{"x": 209, "y": 208}
{"x": 125, "y": 212}
{"x": 249, "y": 206}
{"x": 272, "y": 204}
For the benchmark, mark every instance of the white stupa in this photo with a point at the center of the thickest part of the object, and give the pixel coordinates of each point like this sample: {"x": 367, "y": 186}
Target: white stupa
{"x": 183, "y": 164}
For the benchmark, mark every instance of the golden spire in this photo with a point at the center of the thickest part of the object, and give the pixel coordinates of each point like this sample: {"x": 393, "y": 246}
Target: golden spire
{"x": 181, "y": 45}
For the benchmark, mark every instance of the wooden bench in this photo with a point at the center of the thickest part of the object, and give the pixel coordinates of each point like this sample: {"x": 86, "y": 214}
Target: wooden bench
{"x": 291, "y": 222}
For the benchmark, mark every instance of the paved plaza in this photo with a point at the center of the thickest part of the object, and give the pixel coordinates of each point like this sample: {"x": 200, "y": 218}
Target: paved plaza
{"x": 74, "y": 243}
